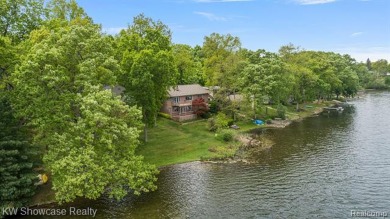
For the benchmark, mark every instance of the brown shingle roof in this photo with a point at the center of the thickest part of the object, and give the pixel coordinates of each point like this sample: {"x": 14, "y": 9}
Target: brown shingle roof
{"x": 185, "y": 90}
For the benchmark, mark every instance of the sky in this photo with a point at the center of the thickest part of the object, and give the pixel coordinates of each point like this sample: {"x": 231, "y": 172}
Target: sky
{"x": 360, "y": 28}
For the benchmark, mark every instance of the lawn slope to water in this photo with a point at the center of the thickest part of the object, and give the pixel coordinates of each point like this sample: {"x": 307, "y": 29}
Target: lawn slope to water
{"x": 171, "y": 142}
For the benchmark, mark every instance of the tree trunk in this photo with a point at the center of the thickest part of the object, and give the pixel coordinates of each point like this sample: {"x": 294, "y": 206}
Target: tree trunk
{"x": 254, "y": 111}
{"x": 253, "y": 106}
{"x": 145, "y": 133}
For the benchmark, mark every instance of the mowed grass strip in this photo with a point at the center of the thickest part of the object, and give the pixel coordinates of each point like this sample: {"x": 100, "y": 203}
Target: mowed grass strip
{"x": 171, "y": 142}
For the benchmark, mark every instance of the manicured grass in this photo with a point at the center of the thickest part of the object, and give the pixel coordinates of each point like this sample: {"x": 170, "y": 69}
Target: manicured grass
{"x": 247, "y": 125}
{"x": 171, "y": 142}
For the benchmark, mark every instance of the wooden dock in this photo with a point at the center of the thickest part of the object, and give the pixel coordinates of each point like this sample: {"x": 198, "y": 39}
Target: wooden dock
{"x": 339, "y": 109}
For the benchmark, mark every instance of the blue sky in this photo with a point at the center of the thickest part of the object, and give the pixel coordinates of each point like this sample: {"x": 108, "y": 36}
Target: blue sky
{"x": 360, "y": 28}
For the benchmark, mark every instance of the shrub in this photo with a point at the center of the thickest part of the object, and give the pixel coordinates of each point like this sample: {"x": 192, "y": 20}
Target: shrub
{"x": 211, "y": 126}
{"x": 205, "y": 115}
{"x": 220, "y": 121}
{"x": 225, "y": 135}
{"x": 200, "y": 107}
{"x": 213, "y": 107}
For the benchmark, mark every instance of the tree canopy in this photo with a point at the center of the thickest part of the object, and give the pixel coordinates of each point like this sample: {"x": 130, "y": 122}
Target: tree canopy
{"x": 90, "y": 134}
{"x": 147, "y": 64}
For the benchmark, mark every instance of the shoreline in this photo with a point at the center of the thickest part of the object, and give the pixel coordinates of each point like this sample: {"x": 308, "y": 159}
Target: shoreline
{"x": 45, "y": 195}
{"x": 251, "y": 143}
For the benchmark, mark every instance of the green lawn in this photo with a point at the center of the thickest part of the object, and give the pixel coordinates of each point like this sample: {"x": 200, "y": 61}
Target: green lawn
{"x": 171, "y": 142}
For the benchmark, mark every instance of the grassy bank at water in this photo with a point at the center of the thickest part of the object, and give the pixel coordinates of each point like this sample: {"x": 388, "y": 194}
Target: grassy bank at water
{"x": 172, "y": 142}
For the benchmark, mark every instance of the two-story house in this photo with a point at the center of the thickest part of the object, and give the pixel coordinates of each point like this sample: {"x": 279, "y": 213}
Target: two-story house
{"x": 179, "y": 105}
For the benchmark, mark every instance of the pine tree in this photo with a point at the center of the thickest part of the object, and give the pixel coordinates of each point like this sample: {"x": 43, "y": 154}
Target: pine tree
{"x": 16, "y": 170}
{"x": 368, "y": 64}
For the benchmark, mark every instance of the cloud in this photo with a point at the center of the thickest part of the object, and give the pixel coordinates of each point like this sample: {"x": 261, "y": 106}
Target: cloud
{"x": 210, "y": 16}
{"x": 213, "y": 1}
{"x": 181, "y": 28}
{"x": 113, "y": 30}
{"x": 313, "y": 2}
{"x": 356, "y": 34}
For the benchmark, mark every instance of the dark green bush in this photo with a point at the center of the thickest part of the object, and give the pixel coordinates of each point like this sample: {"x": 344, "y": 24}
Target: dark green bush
{"x": 226, "y": 135}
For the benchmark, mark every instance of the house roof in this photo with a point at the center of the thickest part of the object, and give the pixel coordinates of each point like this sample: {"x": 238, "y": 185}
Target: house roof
{"x": 185, "y": 90}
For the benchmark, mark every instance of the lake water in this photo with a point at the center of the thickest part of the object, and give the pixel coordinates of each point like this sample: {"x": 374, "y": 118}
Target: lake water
{"x": 322, "y": 167}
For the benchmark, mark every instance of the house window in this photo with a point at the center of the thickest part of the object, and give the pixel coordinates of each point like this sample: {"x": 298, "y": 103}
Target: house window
{"x": 175, "y": 109}
{"x": 186, "y": 109}
{"x": 188, "y": 97}
{"x": 176, "y": 99}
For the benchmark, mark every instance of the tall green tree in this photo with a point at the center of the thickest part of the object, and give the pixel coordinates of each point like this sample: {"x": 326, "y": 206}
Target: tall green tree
{"x": 17, "y": 155}
{"x": 65, "y": 10}
{"x": 363, "y": 74}
{"x": 350, "y": 81}
{"x": 188, "y": 67}
{"x": 90, "y": 135}
{"x": 148, "y": 65}
{"x": 8, "y": 59}
{"x": 304, "y": 82}
{"x": 321, "y": 74}
{"x": 17, "y": 158}
{"x": 19, "y": 17}
{"x": 268, "y": 78}
{"x": 368, "y": 64}
{"x": 381, "y": 66}
{"x": 220, "y": 56}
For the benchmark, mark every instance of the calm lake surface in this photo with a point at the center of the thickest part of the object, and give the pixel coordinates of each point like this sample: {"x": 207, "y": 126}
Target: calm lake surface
{"x": 323, "y": 167}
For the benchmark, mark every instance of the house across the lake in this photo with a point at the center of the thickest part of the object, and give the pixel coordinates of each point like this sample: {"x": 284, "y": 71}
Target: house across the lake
{"x": 180, "y": 103}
